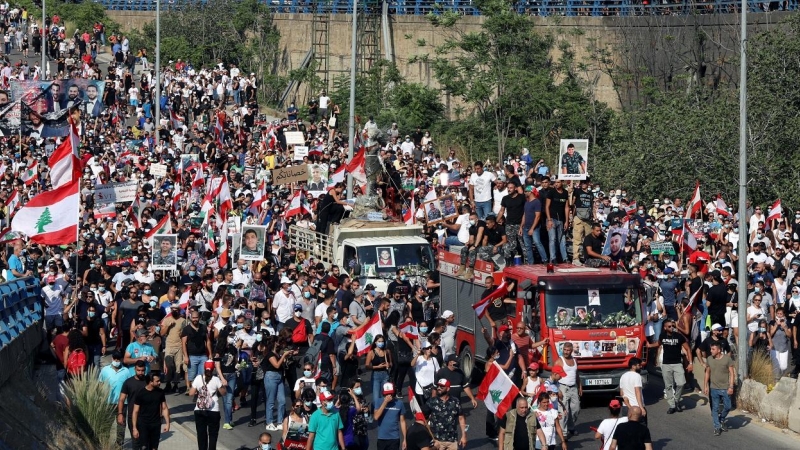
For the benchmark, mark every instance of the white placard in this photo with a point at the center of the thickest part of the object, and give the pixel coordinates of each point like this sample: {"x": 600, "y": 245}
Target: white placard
{"x": 300, "y": 152}
{"x": 116, "y": 192}
{"x": 158, "y": 170}
{"x": 294, "y": 138}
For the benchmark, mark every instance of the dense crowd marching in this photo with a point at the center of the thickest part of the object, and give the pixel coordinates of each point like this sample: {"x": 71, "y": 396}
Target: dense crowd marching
{"x": 279, "y": 332}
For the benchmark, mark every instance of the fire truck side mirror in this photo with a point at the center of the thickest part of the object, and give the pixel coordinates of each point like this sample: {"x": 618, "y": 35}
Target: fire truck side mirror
{"x": 524, "y": 285}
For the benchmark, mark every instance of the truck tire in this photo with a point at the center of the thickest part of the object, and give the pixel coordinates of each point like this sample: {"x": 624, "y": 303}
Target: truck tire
{"x": 466, "y": 361}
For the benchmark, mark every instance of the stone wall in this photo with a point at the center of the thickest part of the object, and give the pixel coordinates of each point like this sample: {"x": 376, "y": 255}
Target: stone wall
{"x": 672, "y": 49}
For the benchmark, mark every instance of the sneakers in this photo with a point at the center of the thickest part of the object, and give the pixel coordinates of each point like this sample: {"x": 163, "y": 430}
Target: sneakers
{"x": 227, "y": 426}
{"x": 717, "y": 431}
{"x": 272, "y": 427}
{"x": 678, "y": 407}
{"x": 279, "y": 427}
{"x": 723, "y": 424}
{"x": 671, "y": 411}
{"x": 252, "y": 423}
{"x": 577, "y": 262}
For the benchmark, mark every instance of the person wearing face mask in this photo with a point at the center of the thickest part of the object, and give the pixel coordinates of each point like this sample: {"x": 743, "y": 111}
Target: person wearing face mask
{"x": 127, "y": 311}
{"x": 322, "y": 311}
{"x": 171, "y": 327}
{"x": 143, "y": 274}
{"x": 307, "y": 381}
{"x": 295, "y": 424}
{"x": 242, "y": 273}
{"x": 94, "y": 335}
{"x": 325, "y": 427}
{"x": 264, "y": 442}
{"x": 669, "y": 289}
{"x": 154, "y": 311}
{"x": 208, "y": 387}
{"x": 115, "y": 375}
{"x": 400, "y": 284}
{"x": 125, "y": 274}
{"x": 283, "y": 303}
{"x": 226, "y": 358}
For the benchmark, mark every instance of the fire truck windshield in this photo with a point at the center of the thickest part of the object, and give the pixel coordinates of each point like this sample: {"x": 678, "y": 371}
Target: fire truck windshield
{"x": 593, "y": 308}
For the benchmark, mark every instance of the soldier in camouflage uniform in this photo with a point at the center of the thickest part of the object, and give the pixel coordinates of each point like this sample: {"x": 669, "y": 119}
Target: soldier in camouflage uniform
{"x": 572, "y": 163}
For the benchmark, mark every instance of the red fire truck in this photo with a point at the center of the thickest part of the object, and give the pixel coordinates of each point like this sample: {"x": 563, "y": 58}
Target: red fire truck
{"x": 598, "y": 310}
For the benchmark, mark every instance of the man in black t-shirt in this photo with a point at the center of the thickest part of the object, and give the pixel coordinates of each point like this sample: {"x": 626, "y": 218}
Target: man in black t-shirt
{"x": 127, "y": 396}
{"x": 557, "y": 211}
{"x": 672, "y": 372}
{"x": 148, "y": 408}
{"x": 513, "y": 205}
{"x": 583, "y": 200}
{"x": 632, "y": 435}
{"x": 493, "y": 241}
{"x": 593, "y": 247}
{"x": 458, "y": 381}
{"x": 519, "y": 428}
{"x": 418, "y": 436}
{"x": 196, "y": 346}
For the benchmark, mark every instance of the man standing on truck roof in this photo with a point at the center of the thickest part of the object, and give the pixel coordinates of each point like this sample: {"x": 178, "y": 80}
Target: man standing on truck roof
{"x": 513, "y": 205}
{"x": 570, "y": 387}
{"x": 583, "y": 200}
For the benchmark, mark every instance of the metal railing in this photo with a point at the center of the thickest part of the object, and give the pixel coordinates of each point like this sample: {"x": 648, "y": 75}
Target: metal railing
{"x": 568, "y": 8}
{"x": 20, "y": 307}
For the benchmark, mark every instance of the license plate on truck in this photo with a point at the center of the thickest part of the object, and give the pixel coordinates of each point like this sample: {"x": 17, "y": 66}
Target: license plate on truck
{"x": 598, "y": 382}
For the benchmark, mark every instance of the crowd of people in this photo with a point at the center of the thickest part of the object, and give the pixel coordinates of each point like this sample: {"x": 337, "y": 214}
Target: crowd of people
{"x": 279, "y": 332}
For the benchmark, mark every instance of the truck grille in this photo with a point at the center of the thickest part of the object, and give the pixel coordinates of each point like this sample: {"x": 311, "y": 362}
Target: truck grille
{"x": 601, "y": 362}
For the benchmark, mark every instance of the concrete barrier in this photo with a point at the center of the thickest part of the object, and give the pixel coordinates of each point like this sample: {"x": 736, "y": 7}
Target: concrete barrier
{"x": 751, "y": 394}
{"x": 794, "y": 414}
{"x": 775, "y": 406}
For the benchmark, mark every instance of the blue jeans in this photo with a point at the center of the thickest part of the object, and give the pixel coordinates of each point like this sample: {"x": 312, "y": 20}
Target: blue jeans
{"x": 718, "y": 395}
{"x": 483, "y": 209}
{"x": 529, "y": 242}
{"x": 195, "y": 362}
{"x": 276, "y": 391}
{"x": 228, "y": 399}
{"x": 556, "y": 233}
{"x": 452, "y": 240}
{"x": 95, "y": 353}
{"x": 378, "y": 378}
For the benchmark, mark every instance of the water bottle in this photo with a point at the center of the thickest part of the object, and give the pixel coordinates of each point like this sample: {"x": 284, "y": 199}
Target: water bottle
{"x": 517, "y": 260}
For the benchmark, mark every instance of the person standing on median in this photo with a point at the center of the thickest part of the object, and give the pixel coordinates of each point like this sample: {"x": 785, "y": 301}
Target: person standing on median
{"x": 325, "y": 426}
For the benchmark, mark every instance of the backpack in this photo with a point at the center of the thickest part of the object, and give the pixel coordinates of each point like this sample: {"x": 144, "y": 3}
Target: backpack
{"x": 299, "y": 333}
{"x": 204, "y": 400}
{"x": 76, "y": 363}
{"x": 313, "y": 352}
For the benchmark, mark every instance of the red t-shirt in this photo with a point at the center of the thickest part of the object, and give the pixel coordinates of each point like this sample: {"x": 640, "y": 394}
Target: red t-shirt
{"x": 60, "y": 343}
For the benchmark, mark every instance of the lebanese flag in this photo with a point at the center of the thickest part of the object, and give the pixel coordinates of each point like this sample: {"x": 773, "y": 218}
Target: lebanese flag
{"x": 225, "y": 200}
{"x": 410, "y": 330}
{"x": 297, "y": 205}
{"x": 497, "y": 391}
{"x": 29, "y": 175}
{"x": 223, "y": 248}
{"x": 51, "y": 218}
{"x": 357, "y": 167}
{"x": 210, "y": 240}
{"x": 694, "y": 204}
{"x": 176, "y": 200}
{"x": 366, "y": 333}
{"x": 199, "y": 179}
{"x": 64, "y": 163}
{"x": 414, "y": 406}
{"x": 687, "y": 238}
{"x": 12, "y": 202}
{"x": 219, "y": 132}
{"x": 409, "y": 217}
{"x": 259, "y": 196}
{"x": 318, "y": 364}
{"x": 722, "y": 208}
{"x": 177, "y": 120}
{"x": 775, "y": 212}
{"x": 631, "y": 209}
{"x": 134, "y": 212}
{"x": 481, "y": 307}
{"x": 337, "y": 177}
{"x": 185, "y": 298}
{"x": 164, "y": 226}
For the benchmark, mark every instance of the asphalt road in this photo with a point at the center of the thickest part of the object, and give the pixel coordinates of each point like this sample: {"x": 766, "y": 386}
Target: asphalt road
{"x": 687, "y": 429}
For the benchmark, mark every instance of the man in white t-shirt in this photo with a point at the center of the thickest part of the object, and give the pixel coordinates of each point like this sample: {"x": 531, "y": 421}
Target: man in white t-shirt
{"x": 460, "y": 227}
{"x": 324, "y": 101}
{"x": 480, "y": 190}
{"x": 630, "y": 386}
{"x": 606, "y": 428}
{"x": 214, "y": 388}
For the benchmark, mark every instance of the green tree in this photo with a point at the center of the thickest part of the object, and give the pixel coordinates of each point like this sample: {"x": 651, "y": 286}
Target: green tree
{"x": 506, "y": 78}
{"x": 43, "y": 220}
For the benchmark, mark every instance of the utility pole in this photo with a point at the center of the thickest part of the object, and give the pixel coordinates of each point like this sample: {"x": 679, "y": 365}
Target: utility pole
{"x": 741, "y": 291}
{"x": 352, "y": 116}
{"x": 157, "y": 99}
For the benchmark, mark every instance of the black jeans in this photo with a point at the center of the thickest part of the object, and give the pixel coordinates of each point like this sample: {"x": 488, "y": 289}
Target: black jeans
{"x": 149, "y": 435}
{"x": 388, "y": 444}
{"x": 256, "y": 388}
{"x": 207, "y": 426}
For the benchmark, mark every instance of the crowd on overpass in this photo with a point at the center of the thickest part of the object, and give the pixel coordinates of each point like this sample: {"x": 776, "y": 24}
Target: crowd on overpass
{"x": 154, "y": 290}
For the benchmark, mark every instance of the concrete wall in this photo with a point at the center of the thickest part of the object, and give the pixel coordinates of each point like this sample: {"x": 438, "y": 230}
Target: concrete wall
{"x": 685, "y": 49}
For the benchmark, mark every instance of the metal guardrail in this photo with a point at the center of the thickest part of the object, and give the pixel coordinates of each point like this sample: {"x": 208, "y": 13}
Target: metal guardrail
{"x": 20, "y": 307}
{"x": 569, "y": 8}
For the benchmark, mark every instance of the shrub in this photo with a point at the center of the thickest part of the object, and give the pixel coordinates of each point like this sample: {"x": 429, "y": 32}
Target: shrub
{"x": 86, "y": 399}
{"x": 760, "y": 368}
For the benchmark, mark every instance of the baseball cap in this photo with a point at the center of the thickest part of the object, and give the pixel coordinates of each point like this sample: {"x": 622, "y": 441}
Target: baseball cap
{"x": 208, "y": 365}
{"x": 298, "y": 307}
{"x": 717, "y": 326}
{"x": 151, "y": 323}
{"x": 426, "y": 344}
{"x": 668, "y": 270}
{"x": 126, "y": 264}
{"x": 388, "y": 388}
{"x": 175, "y": 305}
{"x": 558, "y": 370}
{"x": 528, "y": 188}
{"x": 51, "y": 279}
{"x": 615, "y": 404}
{"x": 358, "y": 292}
{"x": 141, "y": 332}
{"x": 286, "y": 280}
{"x": 451, "y": 358}
{"x": 502, "y": 329}
{"x": 226, "y": 313}
{"x": 443, "y": 383}
{"x": 533, "y": 366}
{"x": 447, "y": 314}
